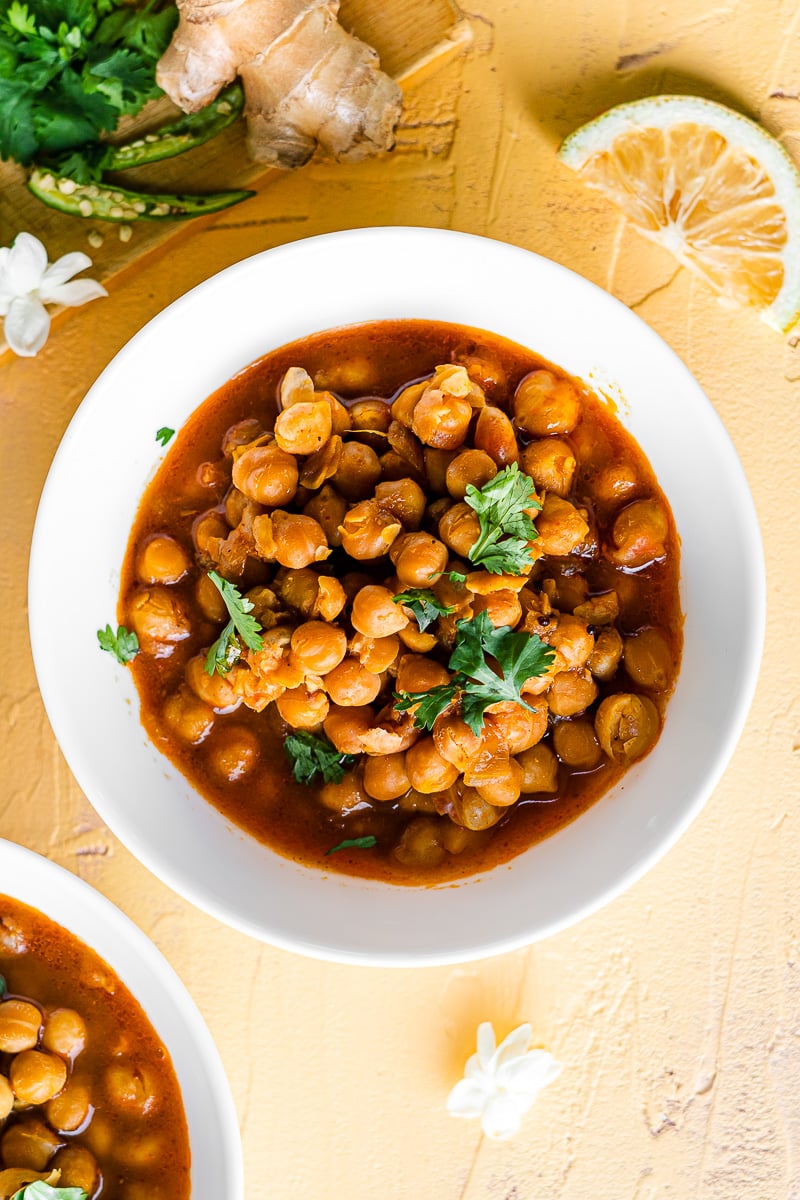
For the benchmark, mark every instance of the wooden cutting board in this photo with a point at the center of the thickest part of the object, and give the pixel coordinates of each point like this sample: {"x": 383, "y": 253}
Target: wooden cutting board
{"x": 412, "y": 37}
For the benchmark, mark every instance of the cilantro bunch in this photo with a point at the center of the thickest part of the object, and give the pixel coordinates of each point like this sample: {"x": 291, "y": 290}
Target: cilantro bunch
{"x": 69, "y": 69}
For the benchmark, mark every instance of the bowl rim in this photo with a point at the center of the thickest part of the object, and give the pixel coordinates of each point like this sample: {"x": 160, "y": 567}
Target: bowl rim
{"x": 141, "y": 966}
{"x": 754, "y": 587}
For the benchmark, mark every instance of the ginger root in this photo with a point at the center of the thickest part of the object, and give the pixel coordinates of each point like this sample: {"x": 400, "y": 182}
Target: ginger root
{"x": 307, "y": 82}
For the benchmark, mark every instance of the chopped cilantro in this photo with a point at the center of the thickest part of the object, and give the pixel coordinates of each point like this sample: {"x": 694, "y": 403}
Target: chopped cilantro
{"x": 362, "y": 843}
{"x": 425, "y": 605}
{"x": 165, "y": 434}
{"x": 311, "y": 754}
{"x": 226, "y": 650}
{"x": 3, "y": 986}
{"x": 39, "y": 1190}
{"x": 123, "y": 644}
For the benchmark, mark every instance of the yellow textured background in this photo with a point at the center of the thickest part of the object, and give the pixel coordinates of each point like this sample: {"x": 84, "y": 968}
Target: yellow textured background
{"x": 676, "y": 1010}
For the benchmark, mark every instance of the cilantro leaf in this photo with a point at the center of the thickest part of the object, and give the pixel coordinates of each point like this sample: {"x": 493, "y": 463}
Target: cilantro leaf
{"x": 456, "y": 576}
{"x": 425, "y": 605}
{"x": 476, "y": 682}
{"x": 361, "y": 843}
{"x": 311, "y": 755}
{"x": 427, "y": 705}
{"x": 164, "y": 434}
{"x": 39, "y": 1190}
{"x": 506, "y": 528}
{"x": 3, "y": 986}
{"x": 226, "y": 650}
{"x": 123, "y": 644}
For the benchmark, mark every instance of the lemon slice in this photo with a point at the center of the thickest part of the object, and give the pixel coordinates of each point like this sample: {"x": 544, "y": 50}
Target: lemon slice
{"x": 708, "y": 184}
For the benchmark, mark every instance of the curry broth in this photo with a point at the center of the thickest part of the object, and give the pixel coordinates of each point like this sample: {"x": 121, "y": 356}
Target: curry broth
{"x": 269, "y": 804}
{"x": 140, "y": 1154}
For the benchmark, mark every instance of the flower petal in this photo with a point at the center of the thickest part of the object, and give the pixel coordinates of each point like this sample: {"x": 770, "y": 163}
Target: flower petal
{"x": 467, "y": 1099}
{"x": 486, "y": 1044}
{"x": 25, "y": 265}
{"x": 67, "y": 266}
{"x": 79, "y": 291}
{"x": 514, "y": 1046}
{"x": 27, "y": 326}
{"x": 526, "y": 1076}
{"x": 502, "y": 1117}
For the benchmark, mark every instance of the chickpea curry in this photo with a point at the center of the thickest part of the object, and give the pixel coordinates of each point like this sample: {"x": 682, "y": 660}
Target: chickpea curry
{"x": 88, "y": 1095}
{"x": 402, "y": 600}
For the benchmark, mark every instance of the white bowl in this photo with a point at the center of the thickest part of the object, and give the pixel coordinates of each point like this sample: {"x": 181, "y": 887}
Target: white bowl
{"x": 108, "y": 455}
{"x": 216, "y": 1172}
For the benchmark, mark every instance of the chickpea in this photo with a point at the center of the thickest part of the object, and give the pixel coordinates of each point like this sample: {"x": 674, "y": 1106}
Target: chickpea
{"x": 473, "y": 812}
{"x": 639, "y": 534}
{"x": 441, "y": 420}
{"x": 208, "y": 529}
{"x": 648, "y": 659}
{"x": 243, "y": 433}
{"x": 469, "y": 468}
{"x": 427, "y": 770}
{"x": 6, "y": 1094}
{"x": 420, "y": 843}
{"x": 319, "y": 466}
{"x": 329, "y": 509}
{"x": 161, "y": 560}
{"x": 20, "y": 1023}
{"x": 389, "y": 733}
{"x": 29, "y": 1144}
{"x": 436, "y": 464}
{"x": 376, "y": 654}
{"x": 506, "y": 786}
{"x": 235, "y": 753}
{"x": 78, "y": 1168}
{"x": 188, "y": 717}
{"x": 292, "y": 539}
{"x": 303, "y": 428}
{"x": 419, "y": 559}
{"x": 417, "y": 802}
{"x": 404, "y": 404}
{"x": 572, "y": 642}
{"x": 626, "y": 726}
{"x": 560, "y": 525}
{"x": 36, "y": 1076}
{"x": 375, "y": 614}
{"x": 303, "y": 707}
{"x": 209, "y": 600}
{"x": 545, "y": 404}
{"x": 602, "y": 609}
{"x": 318, "y": 647}
{"x": 460, "y": 529}
{"x": 495, "y": 435}
{"x": 129, "y": 1087}
{"x": 351, "y": 685}
{"x": 358, "y": 472}
{"x": 415, "y": 673}
{"x": 502, "y": 608}
{"x": 371, "y": 416}
{"x": 159, "y": 618}
{"x": 64, "y": 1033}
{"x": 296, "y": 387}
{"x": 614, "y": 483}
{"x": 605, "y": 658}
{"x": 571, "y": 692}
{"x": 345, "y": 727}
{"x": 576, "y": 745}
{"x": 455, "y": 741}
{"x": 539, "y": 770}
{"x": 517, "y": 727}
{"x": 214, "y": 690}
{"x": 404, "y": 499}
{"x": 414, "y": 640}
{"x": 68, "y": 1111}
{"x": 346, "y": 796}
{"x": 386, "y": 777}
{"x": 266, "y": 474}
{"x": 368, "y": 530}
{"x": 550, "y": 464}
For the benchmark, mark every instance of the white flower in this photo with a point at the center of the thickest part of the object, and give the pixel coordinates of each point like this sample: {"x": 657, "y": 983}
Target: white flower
{"x": 501, "y": 1082}
{"x": 28, "y": 282}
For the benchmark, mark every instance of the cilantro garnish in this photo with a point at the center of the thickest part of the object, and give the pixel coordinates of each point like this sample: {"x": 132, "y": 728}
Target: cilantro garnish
{"x": 226, "y": 650}
{"x": 456, "y": 576}
{"x": 425, "y": 605}
{"x": 362, "y": 843}
{"x": 39, "y": 1190}
{"x": 164, "y": 434}
{"x": 311, "y": 755}
{"x": 3, "y": 986}
{"x": 123, "y": 644}
{"x": 69, "y": 69}
{"x": 503, "y": 545}
{"x": 476, "y": 683}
